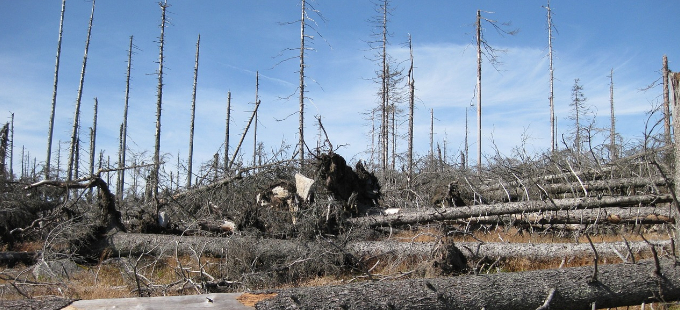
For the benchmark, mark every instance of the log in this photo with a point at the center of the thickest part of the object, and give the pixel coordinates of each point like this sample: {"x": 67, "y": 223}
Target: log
{"x": 516, "y": 190}
{"x": 617, "y": 285}
{"x": 641, "y": 215}
{"x": 125, "y": 244}
{"x": 218, "y": 301}
{"x": 452, "y": 213}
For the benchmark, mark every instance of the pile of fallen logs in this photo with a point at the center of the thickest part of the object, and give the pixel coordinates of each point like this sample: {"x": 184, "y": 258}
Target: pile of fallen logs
{"x": 339, "y": 202}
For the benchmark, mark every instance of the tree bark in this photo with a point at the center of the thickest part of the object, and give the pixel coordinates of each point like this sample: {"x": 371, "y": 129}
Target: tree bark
{"x": 618, "y": 285}
{"x": 50, "y": 131}
{"x": 441, "y": 214}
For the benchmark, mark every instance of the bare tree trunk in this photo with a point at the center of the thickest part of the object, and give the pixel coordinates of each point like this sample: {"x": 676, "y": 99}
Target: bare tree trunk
{"x": 93, "y": 139}
{"x": 157, "y": 147}
{"x": 257, "y": 89}
{"x": 440, "y": 214}
{"x": 76, "y": 116}
{"x": 666, "y": 103}
{"x": 50, "y": 131}
{"x": 466, "y": 157}
{"x": 613, "y": 153}
{"x": 568, "y": 288}
{"x": 11, "y": 150}
{"x": 93, "y": 136}
{"x": 193, "y": 116}
{"x": 226, "y": 135}
{"x": 479, "y": 92}
{"x": 4, "y": 139}
{"x": 411, "y": 105}
{"x": 245, "y": 131}
{"x": 553, "y": 142}
{"x": 301, "y": 143}
{"x": 431, "y": 157}
{"x": 123, "y": 130}
{"x": 675, "y": 84}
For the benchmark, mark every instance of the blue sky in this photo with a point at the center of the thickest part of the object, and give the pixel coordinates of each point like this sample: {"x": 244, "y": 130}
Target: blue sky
{"x": 239, "y": 38}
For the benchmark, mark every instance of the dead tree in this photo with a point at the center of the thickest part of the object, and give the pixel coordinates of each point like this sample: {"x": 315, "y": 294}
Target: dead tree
{"x": 411, "y": 104}
{"x": 76, "y": 117}
{"x": 257, "y": 89}
{"x": 123, "y": 129}
{"x": 193, "y": 115}
{"x": 675, "y": 84}
{"x": 553, "y": 127}
{"x": 50, "y": 131}
{"x": 578, "y": 102}
{"x": 4, "y": 139}
{"x": 226, "y": 134}
{"x": 157, "y": 147}
{"x": 613, "y": 153}
{"x": 666, "y": 103}
{"x": 491, "y": 55}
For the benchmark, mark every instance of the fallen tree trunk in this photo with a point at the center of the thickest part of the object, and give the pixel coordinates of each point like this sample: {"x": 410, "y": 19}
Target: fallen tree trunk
{"x": 452, "y": 213}
{"x": 504, "y": 250}
{"x": 570, "y": 288}
{"x": 125, "y": 244}
{"x": 608, "y": 185}
{"x": 641, "y": 215}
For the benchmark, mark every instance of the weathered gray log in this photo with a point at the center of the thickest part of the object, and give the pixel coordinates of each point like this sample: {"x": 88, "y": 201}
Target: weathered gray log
{"x": 442, "y": 214}
{"x": 517, "y": 190}
{"x": 134, "y": 244}
{"x": 616, "y": 286}
{"x": 218, "y": 301}
{"x": 629, "y": 215}
{"x": 504, "y": 250}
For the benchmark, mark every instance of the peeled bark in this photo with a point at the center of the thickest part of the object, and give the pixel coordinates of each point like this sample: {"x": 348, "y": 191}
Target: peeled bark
{"x": 569, "y": 288}
{"x": 442, "y": 214}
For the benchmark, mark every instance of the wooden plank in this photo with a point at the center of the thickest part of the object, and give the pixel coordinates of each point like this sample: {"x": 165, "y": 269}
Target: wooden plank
{"x": 232, "y": 301}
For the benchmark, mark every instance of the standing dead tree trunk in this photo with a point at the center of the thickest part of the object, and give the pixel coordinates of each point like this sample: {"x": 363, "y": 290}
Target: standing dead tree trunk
{"x": 675, "y": 83}
{"x": 157, "y": 147}
{"x": 257, "y": 90}
{"x": 411, "y": 105}
{"x": 193, "y": 116}
{"x": 553, "y": 129}
{"x": 123, "y": 130}
{"x": 50, "y": 131}
{"x": 568, "y": 288}
{"x": 245, "y": 131}
{"x": 441, "y": 214}
{"x": 666, "y": 103}
{"x": 76, "y": 117}
{"x": 613, "y": 153}
{"x": 226, "y": 134}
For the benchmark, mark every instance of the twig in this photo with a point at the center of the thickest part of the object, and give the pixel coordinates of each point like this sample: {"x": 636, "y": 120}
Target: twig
{"x": 593, "y": 279}
{"x": 548, "y": 299}
{"x": 657, "y": 271}
{"x": 585, "y": 191}
{"x": 632, "y": 255}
